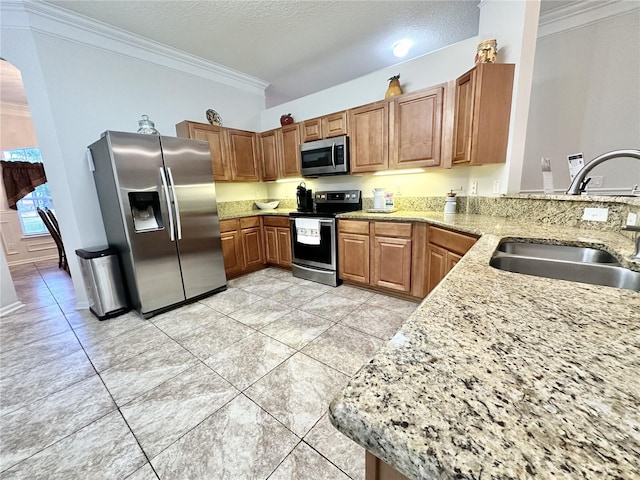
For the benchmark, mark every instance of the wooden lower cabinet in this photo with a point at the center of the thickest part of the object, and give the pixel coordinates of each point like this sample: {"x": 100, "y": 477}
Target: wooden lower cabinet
{"x": 391, "y": 260}
{"x": 445, "y": 248}
{"x": 242, "y": 245}
{"x": 376, "y": 469}
{"x": 353, "y": 250}
{"x": 277, "y": 236}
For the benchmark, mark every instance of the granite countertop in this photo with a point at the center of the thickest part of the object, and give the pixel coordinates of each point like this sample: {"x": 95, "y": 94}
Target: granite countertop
{"x": 504, "y": 375}
{"x": 283, "y": 212}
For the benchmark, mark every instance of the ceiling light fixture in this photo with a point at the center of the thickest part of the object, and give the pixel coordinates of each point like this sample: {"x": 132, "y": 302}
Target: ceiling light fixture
{"x": 401, "y": 48}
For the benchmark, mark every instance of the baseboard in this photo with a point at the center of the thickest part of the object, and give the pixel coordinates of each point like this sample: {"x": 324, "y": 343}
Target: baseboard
{"x": 11, "y": 308}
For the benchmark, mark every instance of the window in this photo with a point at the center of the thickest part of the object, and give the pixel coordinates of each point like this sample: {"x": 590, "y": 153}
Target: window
{"x": 40, "y": 197}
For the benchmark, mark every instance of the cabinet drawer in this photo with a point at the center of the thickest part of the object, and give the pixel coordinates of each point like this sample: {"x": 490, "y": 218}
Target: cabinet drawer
{"x": 353, "y": 226}
{"x": 249, "y": 222}
{"x": 391, "y": 229}
{"x": 229, "y": 225}
{"x": 273, "y": 221}
{"x": 452, "y": 241}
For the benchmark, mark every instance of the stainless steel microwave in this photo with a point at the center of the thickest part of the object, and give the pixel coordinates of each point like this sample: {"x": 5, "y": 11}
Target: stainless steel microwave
{"x": 325, "y": 157}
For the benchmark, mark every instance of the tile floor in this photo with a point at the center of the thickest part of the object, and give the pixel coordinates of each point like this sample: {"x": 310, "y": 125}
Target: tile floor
{"x": 235, "y": 386}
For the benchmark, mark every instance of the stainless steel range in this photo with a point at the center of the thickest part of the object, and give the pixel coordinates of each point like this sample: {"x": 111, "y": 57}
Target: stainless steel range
{"x": 314, "y": 236}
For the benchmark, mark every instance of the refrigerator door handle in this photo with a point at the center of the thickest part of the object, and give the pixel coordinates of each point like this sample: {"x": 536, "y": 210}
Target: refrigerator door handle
{"x": 166, "y": 196}
{"x": 175, "y": 203}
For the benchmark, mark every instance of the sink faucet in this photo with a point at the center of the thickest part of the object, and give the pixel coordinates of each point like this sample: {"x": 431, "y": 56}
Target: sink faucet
{"x": 578, "y": 183}
{"x": 637, "y": 235}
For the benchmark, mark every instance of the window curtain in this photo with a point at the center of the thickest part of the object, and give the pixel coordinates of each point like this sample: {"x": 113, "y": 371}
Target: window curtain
{"x": 20, "y": 179}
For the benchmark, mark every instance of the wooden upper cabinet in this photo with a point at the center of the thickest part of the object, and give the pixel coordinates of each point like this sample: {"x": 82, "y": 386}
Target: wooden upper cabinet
{"x": 335, "y": 124}
{"x": 269, "y": 147}
{"x": 289, "y": 136}
{"x": 481, "y": 114}
{"x": 369, "y": 127}
{"x": 415, "y": 129}
{"x": 216, "y": 136}
{"x": 243, "y": 155}
{"x": 327, "y": 126}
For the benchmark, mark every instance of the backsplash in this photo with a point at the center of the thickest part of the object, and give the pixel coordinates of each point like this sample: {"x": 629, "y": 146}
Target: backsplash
{"x": 551, "y": 209}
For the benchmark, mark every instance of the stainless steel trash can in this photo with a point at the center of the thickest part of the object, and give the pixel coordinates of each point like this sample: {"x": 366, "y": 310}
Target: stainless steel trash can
{"x": 103, "y": 281}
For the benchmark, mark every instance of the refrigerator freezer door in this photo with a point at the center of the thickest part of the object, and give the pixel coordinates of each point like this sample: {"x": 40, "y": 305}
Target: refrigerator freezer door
{"x": 189, "y": 168}
{"x": 150, "y": 258}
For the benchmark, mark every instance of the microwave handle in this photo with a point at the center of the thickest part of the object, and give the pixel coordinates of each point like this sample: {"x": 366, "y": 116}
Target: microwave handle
{"x": 333, "y": 155}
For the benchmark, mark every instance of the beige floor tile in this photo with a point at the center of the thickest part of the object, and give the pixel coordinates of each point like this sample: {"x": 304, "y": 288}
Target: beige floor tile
{"x": 331, "y": 307}
{"x": 339, "y": 449}
{"x": 103, "y": 450}
{"x": 139, "y": 374}
{"x": 161, "y": 416}
{"x": 343, "y": 348}
{"x": 298, "y": 392}
{"x": 260, "y": 314}
{"x": 230, "y": 300}
{"x": 30, "y": 429}
{"x": 182, "y": 322}
{"x": 250, "y": 359}
{"x": 399, "y": 305}
{"x": 377, "y": 321}
{"x": 208, "y": 341}
{"x": 239, "y": 441}
{"x": 297, "y": 328}
{"x": 304, "y": 462}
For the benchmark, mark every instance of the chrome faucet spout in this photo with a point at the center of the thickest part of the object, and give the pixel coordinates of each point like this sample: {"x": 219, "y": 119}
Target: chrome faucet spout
{"x": 578, "y": 184}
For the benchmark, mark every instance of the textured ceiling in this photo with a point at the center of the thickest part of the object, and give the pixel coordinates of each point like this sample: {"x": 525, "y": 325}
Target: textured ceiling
{"x": 298, "y": 47}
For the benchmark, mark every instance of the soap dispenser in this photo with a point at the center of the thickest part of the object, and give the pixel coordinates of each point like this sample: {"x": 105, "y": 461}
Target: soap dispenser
{"x": 450, "y": 203}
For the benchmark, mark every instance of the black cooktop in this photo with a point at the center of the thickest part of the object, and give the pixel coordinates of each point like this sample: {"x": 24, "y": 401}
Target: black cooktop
{"x": 330, "y": 203}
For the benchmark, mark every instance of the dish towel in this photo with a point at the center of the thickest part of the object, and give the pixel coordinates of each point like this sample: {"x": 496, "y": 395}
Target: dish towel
{"x": 308, "y": 231}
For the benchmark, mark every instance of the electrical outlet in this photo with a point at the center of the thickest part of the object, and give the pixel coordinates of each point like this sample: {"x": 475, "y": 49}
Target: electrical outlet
{"x": 473, "y": 188}
{"x": 11, "y": 247}
{"x": 632, "y": 218}
{"x": 595, "y": 214}
{"x": 496, "y": 186}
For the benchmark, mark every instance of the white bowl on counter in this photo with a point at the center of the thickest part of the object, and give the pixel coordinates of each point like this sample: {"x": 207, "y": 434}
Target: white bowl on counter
{"x": 268, "y": 205}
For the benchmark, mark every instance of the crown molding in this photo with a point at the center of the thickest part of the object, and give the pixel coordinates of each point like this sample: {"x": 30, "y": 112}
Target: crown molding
{"x": 580, "y": 13}
{"x": 16, "y": 109}
{"x": 49, "y": 20}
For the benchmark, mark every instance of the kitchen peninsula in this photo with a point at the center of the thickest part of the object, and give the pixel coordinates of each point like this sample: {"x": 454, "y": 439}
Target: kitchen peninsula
{"x": 504, "y": 375}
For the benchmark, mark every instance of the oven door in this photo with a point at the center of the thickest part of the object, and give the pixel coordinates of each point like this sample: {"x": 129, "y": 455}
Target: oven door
{"x": 321, "y": 256}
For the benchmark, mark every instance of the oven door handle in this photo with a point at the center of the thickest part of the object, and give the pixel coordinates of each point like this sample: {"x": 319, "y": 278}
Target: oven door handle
{"x": 292, "y": 221}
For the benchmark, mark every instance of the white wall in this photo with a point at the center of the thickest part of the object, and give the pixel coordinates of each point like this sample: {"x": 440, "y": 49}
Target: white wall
{"x": 77, "y": 89}
{"x": 8, "y": 297}
{"x": 586, "y": 98}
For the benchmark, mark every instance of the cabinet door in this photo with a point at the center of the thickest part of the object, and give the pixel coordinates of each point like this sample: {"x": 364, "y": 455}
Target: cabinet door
{"x": 376, "y": 469}
{"x": 369, "y": 135}
{"x": 312, "y": 129}
{"x": 463, "y": 117}
{"x": 334, "y": 125}
{"x": 252, "y": 247}
{"x": 232, "y": 253}
{"x": 437, "y": 265}
{"x": 452, "y": 259}
{"x": 392, "y": 263}
{"x": 269, "y": 148}
{"x": 353, "y": 257}
{"x": 271, "y": 245}
{"x": 290, "y": 151}
{"x": 216, "y": 138}
{"x": 284, "y": 247}
{"x": 243, "y": 154}
{"x": 416, "y": 129}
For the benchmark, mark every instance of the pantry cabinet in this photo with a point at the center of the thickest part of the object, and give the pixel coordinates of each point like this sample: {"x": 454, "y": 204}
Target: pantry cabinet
{"x": 234, "y": 153}
{"x": 277, "y": 235}
{"x": 327, "y": 126}
{"x": 444, "y": 249}
{"x": 481, "y": 114}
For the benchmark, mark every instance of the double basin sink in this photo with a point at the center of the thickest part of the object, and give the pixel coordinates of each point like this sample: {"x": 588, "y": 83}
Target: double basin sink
{"x": 564, "y": 262}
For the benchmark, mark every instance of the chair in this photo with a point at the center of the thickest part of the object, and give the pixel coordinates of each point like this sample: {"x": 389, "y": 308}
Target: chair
{"x": 51, "y": 223}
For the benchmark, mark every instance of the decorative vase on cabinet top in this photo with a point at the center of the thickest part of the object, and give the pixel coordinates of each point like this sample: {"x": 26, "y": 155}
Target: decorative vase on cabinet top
{"x": 286, "y": 119}
{"x": 394, "y": 87}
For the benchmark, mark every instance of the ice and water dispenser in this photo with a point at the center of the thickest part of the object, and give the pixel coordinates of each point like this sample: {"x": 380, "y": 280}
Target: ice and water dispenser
{"x": 145, "y": 211}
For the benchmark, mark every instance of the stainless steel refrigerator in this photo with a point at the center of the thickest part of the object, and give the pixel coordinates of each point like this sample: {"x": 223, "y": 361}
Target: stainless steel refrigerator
{"x": 158, "y": 203}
